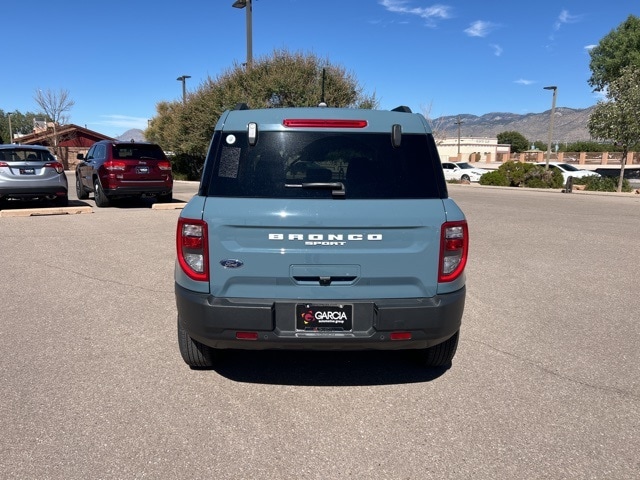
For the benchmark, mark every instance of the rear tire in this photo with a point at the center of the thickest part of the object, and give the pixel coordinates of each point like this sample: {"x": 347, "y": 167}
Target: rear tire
{"x": 101, "y": 199}
{"x": 80, "y": 191}
{"x": 194, "y": 353}
{"x": 440, "y": 355}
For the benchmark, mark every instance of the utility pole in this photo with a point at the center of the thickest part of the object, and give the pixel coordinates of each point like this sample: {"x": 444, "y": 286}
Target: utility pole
{"x": 459, "y": 122}
{"x": 553, "y": 109}
{"x": 10, "y": 130}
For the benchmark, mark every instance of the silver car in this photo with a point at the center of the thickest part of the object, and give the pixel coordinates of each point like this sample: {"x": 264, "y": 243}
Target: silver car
{"x": 30, "y": 172}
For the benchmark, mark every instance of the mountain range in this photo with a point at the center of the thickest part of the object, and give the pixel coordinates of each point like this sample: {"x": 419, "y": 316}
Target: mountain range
{"x": 134, "y": 134}
{"x": 569, "y": 125}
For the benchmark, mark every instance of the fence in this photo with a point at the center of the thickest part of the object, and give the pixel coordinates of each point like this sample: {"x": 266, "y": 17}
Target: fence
{"x": 578, "y": 158}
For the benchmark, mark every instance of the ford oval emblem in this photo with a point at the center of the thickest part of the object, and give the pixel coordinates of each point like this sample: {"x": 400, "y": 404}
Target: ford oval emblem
{"x": 231, "y": 263}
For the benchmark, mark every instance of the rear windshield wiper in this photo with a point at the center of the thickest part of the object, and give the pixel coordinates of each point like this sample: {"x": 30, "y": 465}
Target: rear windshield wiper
{"x": 337, "y": 188}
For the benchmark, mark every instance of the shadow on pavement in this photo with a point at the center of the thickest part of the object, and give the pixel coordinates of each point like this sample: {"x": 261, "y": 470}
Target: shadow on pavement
{"x": 325, "y": 368}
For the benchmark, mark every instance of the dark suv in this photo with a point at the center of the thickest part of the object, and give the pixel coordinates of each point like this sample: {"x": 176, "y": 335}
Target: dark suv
{"x": 321, "y": 228}
{"x": 124, "y": 169}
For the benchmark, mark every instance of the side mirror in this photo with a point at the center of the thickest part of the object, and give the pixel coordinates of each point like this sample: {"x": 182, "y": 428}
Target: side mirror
{"x": 80, "y": 156}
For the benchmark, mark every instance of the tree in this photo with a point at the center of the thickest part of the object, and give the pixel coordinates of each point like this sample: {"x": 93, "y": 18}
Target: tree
{"x": 283, "y": 79}
{"x": 515, "y": 139}
{"x": 21, "y": 124}
{"x": 618, "y": 49}
{"x": 540, "y": 145}
{"x": 437, "y": 124}
{"x": 618, "y": 118}
{"x": 55, "y": 105}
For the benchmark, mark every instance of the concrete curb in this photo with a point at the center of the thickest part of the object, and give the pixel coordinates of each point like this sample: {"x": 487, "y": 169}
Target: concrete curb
{"x": 168, "y": 206}
{"x": 38, "y": 212}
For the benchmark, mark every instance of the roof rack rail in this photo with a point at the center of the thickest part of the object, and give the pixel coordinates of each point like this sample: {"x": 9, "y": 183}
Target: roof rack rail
{"x": 402, "y": 108}
{"x": 241, "y": 106}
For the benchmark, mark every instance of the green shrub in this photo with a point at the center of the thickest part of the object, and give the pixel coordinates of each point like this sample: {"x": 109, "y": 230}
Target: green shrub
{"x": 538, "y": 177}
{"x": 517, "y": 174}
{"x": 603, "y": 184}
{"x": 495, "y": 177}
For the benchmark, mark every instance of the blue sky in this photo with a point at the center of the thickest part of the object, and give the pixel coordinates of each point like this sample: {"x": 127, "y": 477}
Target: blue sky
{"x": 118, "y": 59}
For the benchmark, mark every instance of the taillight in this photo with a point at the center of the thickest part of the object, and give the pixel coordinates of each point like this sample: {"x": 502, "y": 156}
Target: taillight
{"x": 192, "y": 250}
{"x": 164, "y": 165}
{"x": 4, "y": 164}
{"x": 454, "y": 246}
{"x": 55, "y": 165}
{"x": 112, "y": 165}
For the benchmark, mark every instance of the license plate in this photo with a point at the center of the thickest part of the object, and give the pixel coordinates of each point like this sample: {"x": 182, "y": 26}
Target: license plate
{"x": 142, "y": 169}
{"x": 324, "y": 318}
{"x": 27, "y": 171}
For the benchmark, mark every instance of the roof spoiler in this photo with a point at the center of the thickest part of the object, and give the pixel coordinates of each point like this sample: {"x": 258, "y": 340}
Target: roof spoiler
{"x": 403, "y": 109}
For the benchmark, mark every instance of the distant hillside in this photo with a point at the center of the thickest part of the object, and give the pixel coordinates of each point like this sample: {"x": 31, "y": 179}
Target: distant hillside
{"x": 570, "y": 125}
{"x": 134, "y": 134}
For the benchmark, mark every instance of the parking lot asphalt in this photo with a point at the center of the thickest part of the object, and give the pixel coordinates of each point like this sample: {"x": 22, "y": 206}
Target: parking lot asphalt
{"x": 545, "y": 384}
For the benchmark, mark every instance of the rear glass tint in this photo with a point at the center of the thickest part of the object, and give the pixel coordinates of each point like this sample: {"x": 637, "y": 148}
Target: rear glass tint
{"x": 304, "y": 164}
{"x": 25, "y": 154}
{"x": 137, "y": 152}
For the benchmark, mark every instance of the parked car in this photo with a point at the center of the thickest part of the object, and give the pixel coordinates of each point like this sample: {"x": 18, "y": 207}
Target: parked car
{"x": 113, "y": 170}
{"x": 569, "y": 170}
{"x": 472, "y": 168}
{"x": 321, "y": 228}
{"x": 462, "y": 171}
{"x": 30, "y": 172}
{"x": 632, "y": 174}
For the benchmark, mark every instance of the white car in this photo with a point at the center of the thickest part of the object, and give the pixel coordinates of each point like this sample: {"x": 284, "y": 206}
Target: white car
{"x": 569, "y": 170}
{"x": 462, "y": 171}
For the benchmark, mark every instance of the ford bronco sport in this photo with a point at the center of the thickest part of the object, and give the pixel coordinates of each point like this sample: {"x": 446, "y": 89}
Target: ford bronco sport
{"x": 321, "y": 228}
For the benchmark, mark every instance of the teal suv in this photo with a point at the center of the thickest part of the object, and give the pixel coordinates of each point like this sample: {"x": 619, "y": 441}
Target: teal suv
{"x": 321, "y": 228}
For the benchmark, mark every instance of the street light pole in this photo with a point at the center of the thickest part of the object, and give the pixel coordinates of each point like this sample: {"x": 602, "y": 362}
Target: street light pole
{"x": 553, "y": 109}
{"x": 459, "y": 122}
{"x": 10, "y": 129}
{"x": 183, "y": 79}
{"x": 247, "y": 4}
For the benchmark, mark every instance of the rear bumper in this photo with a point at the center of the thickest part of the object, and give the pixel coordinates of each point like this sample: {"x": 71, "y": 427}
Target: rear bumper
{"x": 155, "y": 188}
{"x": 37, "y": 191}
{"x": 215, "y": 322}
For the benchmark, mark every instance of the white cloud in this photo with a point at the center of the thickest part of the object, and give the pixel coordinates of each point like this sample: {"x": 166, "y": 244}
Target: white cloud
{"x": 522, "y": 81}
{"x": 479, "y": 28}
{"x": 123, "y": 121}
{"x": 497, "y": 49}
{"x": 564, "y": 18}
{"x": 430, "y": 14}
{"x": 588, "y": 48}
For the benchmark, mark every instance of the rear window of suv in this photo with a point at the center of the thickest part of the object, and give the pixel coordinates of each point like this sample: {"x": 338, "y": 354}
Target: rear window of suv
{"x": 137, "y": 152}
{"x": 25, "y": 154}
{"x": 307, "y": 164}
